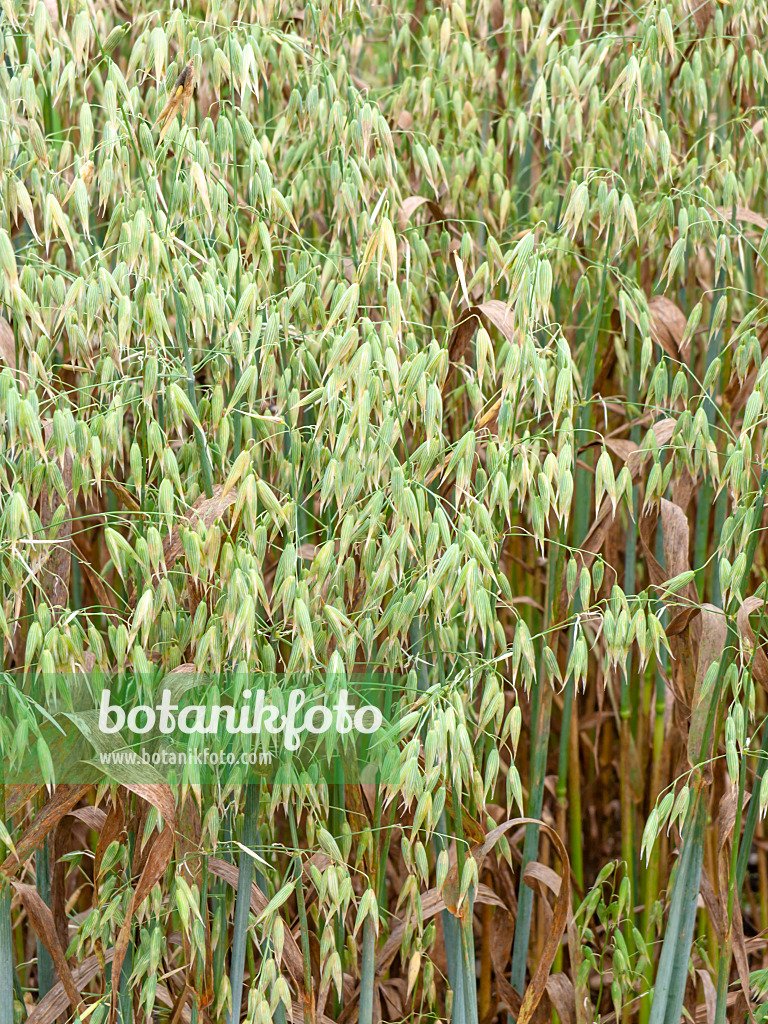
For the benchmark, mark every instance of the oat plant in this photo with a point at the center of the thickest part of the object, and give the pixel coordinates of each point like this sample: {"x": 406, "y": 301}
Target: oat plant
{"x": 417, "y": 346}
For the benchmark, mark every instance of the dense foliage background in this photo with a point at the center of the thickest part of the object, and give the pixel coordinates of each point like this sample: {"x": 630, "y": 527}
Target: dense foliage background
{"x": 429, "y": 347}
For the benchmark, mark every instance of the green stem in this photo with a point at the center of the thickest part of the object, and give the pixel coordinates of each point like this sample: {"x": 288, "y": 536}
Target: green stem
{"x": 125, "y": 991}
{"x": 540, "y": 741}
{"x": 242, "y": 904}
{"x": 45, "y": 978}
{"x": 309, "y": 1006}
{"x": 6, "y": 935}
{"x": 6, "y": 953}
{"x": 753, "y": 812}
{"x": 367, "y": 969}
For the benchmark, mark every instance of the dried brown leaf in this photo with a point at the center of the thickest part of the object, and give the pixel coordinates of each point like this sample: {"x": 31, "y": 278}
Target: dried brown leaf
{"x": 413, "y": 203}
{"x": 55, "y": 1002}
{"x": 668, "y": 323}
{"x": 748, "y": 640}
{"x": 703, "y": 12}
{"x": 16, "y": 796}
{"x": 710, "y": 993}
{"x": 206, "y": 510}
{"x": 105, "y": 597}
{"x": 620, "y": 446}
{"x": 562, "y": 996}
{"x": 711, "y": 645}
{"x": 712, "y": 903}
{"x": 685, "y": 603}
{"x": 744, "y": 215}
{"x": 94, "y": 817}
{"x": 7, "y": 344}
{"x": 538, "y": 876}
{"x": 112, "y": 829}
{"x": 497, "y": 312}
{"x": 735, "y": 934}
{"x": 502, "y": 935}
{"x": 39, "y": 914}
{"x": 121, "y": 491}
{"x": 158, "y": 857}
{"x": 61, "y": 803}
{"x": 165, "y": 997}
{"x": 298, "y": 1017}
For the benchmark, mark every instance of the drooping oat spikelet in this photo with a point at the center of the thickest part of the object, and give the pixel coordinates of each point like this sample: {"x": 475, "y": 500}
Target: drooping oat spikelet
{"x": 179, "y": 99}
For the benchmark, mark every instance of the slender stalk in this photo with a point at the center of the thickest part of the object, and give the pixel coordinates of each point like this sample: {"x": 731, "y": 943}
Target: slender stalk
{"x": 540, "y": 743}
{"x": 753, "y": 812}
{"x": 627, "y": 802}
{"x": 6, "y": 936}
{"x": 309, "y": 998}
{"x": 45, "y": 977}
{"x": 738, "y": 844}
{"x": 242, "y": 904}
{"x": 465, "y": 952}
{"x": 279, "y": 1015}
{"x": 658, "y": 771}
{"x": 125, "y": 990}
{"x": 673, "y": 964}
{"x": 367, "y": 968}
{"x": 219, "y": 896}
{"x": 582, "y": 509}
{"x": 6, "y": 954}
{"x": 653, "y": 869}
